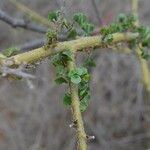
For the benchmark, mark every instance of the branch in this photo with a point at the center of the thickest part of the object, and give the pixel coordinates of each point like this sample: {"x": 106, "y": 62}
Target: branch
{"x": 32, "y": 45}
{"x": 135, "y": 10}
{"x": 143, "y": 62}
{"x": 77, "y": 116}
{"x": 21, "y": 23}
{"x": 34, "y": 15}
{"x": 80, "y": 44}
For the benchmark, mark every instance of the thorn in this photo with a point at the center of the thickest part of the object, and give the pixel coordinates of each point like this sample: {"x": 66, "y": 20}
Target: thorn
{"x": 90, "y": 137}
{"x": 73, "y": 124}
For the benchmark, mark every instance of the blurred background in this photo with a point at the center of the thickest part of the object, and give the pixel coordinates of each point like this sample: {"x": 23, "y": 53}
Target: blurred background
{"x": 32, "y": 115}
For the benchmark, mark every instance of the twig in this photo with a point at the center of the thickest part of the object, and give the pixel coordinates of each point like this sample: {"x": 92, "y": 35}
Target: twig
{"x": 143, "y": 62}
{"x": 32, "y": 45}
{"x": 77, "y": 117}
{"x": 16, "y": 71}
{"x": 21, "y": 23}
{"x": 34, "y": 15}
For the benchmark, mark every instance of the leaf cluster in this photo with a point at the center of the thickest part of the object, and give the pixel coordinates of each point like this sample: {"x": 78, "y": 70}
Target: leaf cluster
{"x": 83, "y": 22}
{"x": 11, "y": 51}
{"x": 78, "y": 76}
{"x": 126, "y": 23}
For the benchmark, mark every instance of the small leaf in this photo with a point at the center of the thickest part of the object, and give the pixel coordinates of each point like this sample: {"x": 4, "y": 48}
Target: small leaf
{"x": 87, "y": 27}
{"x": 80, "y": 18}
{"x": 60, "y": 70}
{"x": 89, "y": 62}
{"x": 84, "y": 103}
{"x": 53, "y": 16}
{"x": 72, "y": 33}
{"x": 81, "y": 70}
{"x": 122, "y": 18}
{"x": 69, "y": 55}
{"x": 56, "y": 60}
{"x": 60, "y": 80}
{"x": 75, "y": 79}
{"x": 86, "y": 77}
{"x": 67, "y": 99}
{"x": 11, "y": 51}
{"x": 108, "y": 38}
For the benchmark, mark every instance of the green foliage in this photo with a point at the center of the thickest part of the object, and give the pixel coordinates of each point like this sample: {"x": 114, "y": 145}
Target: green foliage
{"x": 60, "y": 62}
{"x": 124, "y": 23}
{"x": 72, "y": 33}
{"x": 127, "y": 23}
{"x": 144, "y": 36}
{"x": 10, "y": 51}
{"x": 83, "y": 22}
{"x": 51, "y": 37}
{"x": 89, "y": 62}
{"x": 78, "y": 74}
{"x": 53, "y": 16}
{"x": 67, "y": 99}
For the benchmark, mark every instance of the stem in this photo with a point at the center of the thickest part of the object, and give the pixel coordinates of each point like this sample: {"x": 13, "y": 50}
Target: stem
{"x": 80, "y": 44}
{"x": 32, "y": 13}
{"x": 77, "y": 117}
{"x": 143, "y": 62}
{"x": 135, "y": 10}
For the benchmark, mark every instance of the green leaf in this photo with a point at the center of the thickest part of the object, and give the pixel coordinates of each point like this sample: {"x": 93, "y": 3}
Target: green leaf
{"x": 86, "y": 77}
{"x": 60, "y": 70}
{"x": 81, "y": 70}
{"x": 60, "y": 80}
{"x": 72, "y": 33}
{"x": 67, "y": 99}
{"x": 53, "y": 16}
{"x": 75, "y": 79}
{"x": 80, "y": 18}
{"x": 122, "y": 18}
{"x": 144, "y": 55}
{"x": 108, "y": 38}
{"x": 56, "y": 59}
{"x": 11, "y": 51}
{"x": 87, "y": 27}
{"x": 89, "y": 62}
{"x": 68, "y": 54}
{"x": 84, "y": 103}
